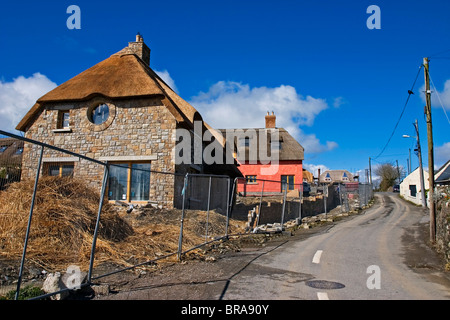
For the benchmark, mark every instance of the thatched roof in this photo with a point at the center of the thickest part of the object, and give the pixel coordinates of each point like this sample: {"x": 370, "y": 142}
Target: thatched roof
{"x": 122, "y": 75}
{"x": 290, "y": 148}
{"x": 336, "y": 176}
{"x": 10, "y": 150}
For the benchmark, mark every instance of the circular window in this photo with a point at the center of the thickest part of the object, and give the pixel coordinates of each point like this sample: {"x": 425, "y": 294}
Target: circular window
{"x": 99, "y": 114}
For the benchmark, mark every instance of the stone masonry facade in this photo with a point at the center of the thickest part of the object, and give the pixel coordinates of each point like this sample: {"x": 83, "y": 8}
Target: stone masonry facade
{"x": 138, "y": 129}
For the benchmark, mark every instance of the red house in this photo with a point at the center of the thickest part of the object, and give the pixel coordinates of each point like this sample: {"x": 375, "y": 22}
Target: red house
{"x": 269, "y": 178}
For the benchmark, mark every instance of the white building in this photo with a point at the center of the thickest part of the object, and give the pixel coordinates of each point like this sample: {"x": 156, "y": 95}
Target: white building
{"x": 411, "y": 189}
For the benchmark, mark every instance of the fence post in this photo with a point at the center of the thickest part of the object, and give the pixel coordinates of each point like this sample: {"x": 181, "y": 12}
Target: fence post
{"x": 207, "y": 212}
{"x": 97, "y": 223}
{"x": 300, "y": 196}
{"x": 180, "y": 239}
{"x": 284, "y": 205}
{"x": 260, "y": 203}
{"x": 29, "y": 223}
{"x": 228, "y": 207}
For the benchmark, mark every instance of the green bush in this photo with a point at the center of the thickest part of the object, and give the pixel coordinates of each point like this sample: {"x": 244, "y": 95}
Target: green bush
{"x": 25, "y": 293}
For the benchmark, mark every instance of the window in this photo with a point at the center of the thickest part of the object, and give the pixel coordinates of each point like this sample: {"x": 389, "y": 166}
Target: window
{"x": 129, "y": 182}
{"x": 19, "y": 150}
{"x": 99, "y": 114}
{"x": 63, "y": 120}
{"x": 244, "y": 142}
{"x": 59, "y": 169}
{"x": 412, "y": 190}
{"x": 250, "y": 179}
{"x": 3, "y": 148}
{"x": 344, "y": 177}
{"x": 287, "y": 181}
{"x": 276, "y": 145}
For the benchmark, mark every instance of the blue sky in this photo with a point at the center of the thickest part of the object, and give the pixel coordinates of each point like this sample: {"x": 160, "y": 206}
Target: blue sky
{"x": 336, "y": 85}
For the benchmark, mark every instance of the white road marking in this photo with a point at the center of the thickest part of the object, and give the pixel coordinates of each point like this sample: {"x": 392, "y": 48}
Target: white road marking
{"x": 316, "y": 258}
{"x": 322, "y": 296}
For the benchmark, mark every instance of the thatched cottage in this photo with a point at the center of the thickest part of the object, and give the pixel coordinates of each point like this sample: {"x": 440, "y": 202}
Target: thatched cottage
{"x": 122, "y": 112}
{"x": 283, "y": 169}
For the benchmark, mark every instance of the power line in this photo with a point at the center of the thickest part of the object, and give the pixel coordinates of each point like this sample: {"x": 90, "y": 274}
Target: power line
{"x": 410, "y": 92}
{"x": 442, "y": 105}
{"x": 438, "y": 53}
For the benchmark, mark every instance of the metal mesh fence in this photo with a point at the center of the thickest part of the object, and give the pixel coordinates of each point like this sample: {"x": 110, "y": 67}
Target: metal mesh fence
{"x": 79, "y": 219}
{"x": 355, "y": 196}
{"x": 268, "y": 206}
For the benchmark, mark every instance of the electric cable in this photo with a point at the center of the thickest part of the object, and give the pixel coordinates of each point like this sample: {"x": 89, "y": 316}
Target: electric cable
{"x": 410, "y": 92}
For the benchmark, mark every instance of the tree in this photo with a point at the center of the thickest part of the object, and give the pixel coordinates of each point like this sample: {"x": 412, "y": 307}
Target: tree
{"x": 388, "y": 174}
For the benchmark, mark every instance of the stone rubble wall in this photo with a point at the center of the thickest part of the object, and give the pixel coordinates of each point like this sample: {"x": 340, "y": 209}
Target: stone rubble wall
{"x": 443, "y": 225}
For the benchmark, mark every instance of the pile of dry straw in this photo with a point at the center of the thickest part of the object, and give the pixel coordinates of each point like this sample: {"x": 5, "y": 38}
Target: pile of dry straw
{"x": 64, "y": 220}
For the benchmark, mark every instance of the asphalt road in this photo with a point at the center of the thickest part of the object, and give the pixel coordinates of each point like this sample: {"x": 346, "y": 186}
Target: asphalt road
{"x": 381, "y": 254}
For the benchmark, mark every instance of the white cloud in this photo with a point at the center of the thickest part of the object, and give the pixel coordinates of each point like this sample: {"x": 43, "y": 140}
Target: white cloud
{"x": 314, "y": 168}
{"x": 18, "y": 96}
{"x": 438, "y": 98}
{"x": 229, "y": 105}
{"x": 442, "y": 154}
{"x": 339, "y": 101}
{"x": 165, "y": 75}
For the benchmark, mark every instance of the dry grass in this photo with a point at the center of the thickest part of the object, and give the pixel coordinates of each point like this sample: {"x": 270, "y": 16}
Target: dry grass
{"x": 64, "y": 219}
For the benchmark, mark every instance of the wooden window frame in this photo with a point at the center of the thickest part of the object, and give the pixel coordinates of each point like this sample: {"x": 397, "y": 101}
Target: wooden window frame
{"x": 60, "y": 165}
{"x": 288, "y": 176}
{"x": 129, "y": 166}
{"x": 60, "y": 124}
{"x": 251, "y": 179}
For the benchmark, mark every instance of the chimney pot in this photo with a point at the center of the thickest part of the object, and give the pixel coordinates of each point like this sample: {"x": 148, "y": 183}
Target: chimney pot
{"x": 140, "y": 49}
{"x": 270, "y": 120}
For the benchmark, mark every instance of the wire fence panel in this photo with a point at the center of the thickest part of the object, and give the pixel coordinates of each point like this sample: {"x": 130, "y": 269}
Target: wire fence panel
{"x": 270, "y": 207}
{"x": 49, "y": 219}
{"x": 75, "y": 219}
{"x": 355, "y": 196}
{"x": 11, "y": 151}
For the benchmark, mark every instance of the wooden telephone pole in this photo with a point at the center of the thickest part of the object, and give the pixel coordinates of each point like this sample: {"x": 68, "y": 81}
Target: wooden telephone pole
{"x": 419, "y": 154}
{"x": 430, "y": 151}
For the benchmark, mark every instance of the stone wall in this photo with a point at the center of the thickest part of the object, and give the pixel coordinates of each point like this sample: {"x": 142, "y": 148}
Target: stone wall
{"x": 443, "y": 226}
{"x": 135, "y": 129}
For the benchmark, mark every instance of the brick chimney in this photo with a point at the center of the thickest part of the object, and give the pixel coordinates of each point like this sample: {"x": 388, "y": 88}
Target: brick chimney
{"x": 270, "y": 120}
{"x": 139, "y": 48}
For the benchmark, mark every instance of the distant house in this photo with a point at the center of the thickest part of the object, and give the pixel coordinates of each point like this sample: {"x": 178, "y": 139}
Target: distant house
{"x": 289, "y": 154}
{"x": 308, "y": 176}
{"x": 442, "y": 175}
{"x": 11, "y": 151}
{"x": 336, "y": 176}
{"x": 410, "y": 187}
{"x": 121, "y": 112}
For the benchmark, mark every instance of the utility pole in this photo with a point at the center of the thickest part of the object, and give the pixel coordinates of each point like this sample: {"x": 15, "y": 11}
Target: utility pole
{"x": 430, "y": 151}
{"x": 419, "y": 154}
{"x": 409, "y": 163}
{"x": 370, "y": 171}
{"x": 398, "y": 172}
